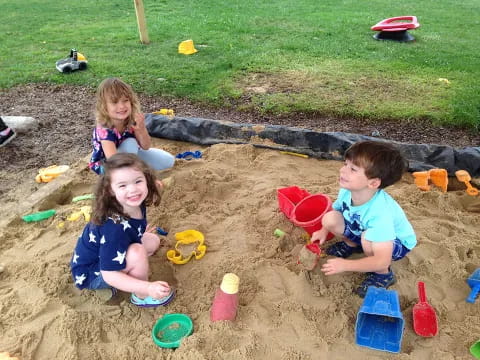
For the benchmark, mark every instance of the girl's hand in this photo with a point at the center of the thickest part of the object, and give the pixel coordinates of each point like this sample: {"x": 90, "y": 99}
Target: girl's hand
{"x": 151, "y": 229}
{"x": 158, "y": 289}
{"x": 333, "y": 266}
{"x": 139, "y": 121}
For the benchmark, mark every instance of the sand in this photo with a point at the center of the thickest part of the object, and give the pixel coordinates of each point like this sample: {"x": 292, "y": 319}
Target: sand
{"x": 285, "y": 312}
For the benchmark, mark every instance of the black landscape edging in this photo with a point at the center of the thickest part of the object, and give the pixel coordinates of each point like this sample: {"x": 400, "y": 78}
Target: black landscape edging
{"x": 324, "y": 145}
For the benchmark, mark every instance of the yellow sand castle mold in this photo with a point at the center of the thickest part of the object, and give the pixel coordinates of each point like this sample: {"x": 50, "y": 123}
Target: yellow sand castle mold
{"x": 185, "y": 238}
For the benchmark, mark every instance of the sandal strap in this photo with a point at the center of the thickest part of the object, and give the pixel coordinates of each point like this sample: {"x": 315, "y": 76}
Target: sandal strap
{"x": 343, "y": 250}
{"x": 152, "y": 302}
{"x": 377, "y": 280}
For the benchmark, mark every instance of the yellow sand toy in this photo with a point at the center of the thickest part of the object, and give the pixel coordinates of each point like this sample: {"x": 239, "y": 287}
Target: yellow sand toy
{"x": 186, "y": 47}
{"x": 49, "y": 173}
{"x": 6, "y": 356}
{"x": 86, "y": 211}
{"x": 186, "y": 238}
{"x": 167, "y": 112}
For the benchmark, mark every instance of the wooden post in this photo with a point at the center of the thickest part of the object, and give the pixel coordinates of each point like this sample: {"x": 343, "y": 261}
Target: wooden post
{"x": 142, "y": 25}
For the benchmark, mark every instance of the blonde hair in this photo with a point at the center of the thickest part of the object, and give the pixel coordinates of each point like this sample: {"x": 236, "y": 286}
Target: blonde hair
{"x": 113, "y": 89}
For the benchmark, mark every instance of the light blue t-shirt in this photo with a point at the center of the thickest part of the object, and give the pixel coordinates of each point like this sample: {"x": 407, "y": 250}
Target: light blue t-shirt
{"x": 381, "y": 218}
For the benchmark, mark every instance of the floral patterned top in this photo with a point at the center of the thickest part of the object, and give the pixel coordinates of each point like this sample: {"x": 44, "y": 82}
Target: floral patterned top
{"x": 101, "y": 133}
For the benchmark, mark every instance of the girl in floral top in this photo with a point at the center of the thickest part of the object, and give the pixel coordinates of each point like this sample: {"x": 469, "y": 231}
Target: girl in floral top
{"x": 121, "y": 128}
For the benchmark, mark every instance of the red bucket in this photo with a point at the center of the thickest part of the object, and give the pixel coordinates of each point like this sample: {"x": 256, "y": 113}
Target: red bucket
{"x": 289, "y": 197}
{"x": 309, "y": 212}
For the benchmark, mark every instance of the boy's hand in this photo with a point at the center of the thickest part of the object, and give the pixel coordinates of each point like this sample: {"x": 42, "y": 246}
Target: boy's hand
{"x": 158, "y": 289}
{"x": 320, "y": 236}
{"x": 334, "y": 266}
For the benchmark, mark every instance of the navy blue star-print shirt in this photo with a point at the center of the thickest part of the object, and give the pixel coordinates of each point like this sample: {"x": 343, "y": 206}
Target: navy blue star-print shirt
{"x": 104, "y": 247}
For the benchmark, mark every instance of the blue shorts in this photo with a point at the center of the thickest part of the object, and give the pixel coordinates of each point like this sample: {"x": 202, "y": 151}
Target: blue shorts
{"x": 399, "y": 250}
{"x": 98, "y": 283}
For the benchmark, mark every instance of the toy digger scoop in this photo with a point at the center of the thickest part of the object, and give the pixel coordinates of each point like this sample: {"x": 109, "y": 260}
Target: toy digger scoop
{"x": 464, "y": 177}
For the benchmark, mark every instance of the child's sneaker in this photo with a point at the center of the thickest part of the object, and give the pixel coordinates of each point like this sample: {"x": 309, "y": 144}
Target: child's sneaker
{"x": 343, "y": 250}
{"x": 377, "y": 280}
{"x": 9, "y": 136}
{"x": 151, "y": 302}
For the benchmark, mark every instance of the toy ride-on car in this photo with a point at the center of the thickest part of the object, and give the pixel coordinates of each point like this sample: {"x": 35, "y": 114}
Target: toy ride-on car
{"x": 76, "y": 61}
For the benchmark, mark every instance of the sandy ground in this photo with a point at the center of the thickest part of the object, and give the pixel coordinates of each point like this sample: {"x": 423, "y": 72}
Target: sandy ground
{"x": 285, "y": 313}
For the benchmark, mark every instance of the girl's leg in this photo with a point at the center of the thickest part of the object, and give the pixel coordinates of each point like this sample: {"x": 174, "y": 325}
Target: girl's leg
{"x": 157, "y": 159}
{"x": 151, "y": 242}
{"x": 137, "y": 264}
{"x": 129, "y": 145}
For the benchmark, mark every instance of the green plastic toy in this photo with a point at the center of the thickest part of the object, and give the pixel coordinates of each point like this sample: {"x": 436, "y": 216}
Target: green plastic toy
{"x": 39, "y": 216}
{"x": 83, "y": 197}
{"x": 170, "y": 329}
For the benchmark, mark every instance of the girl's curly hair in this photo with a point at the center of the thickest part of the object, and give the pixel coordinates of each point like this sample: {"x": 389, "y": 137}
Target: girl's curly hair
{"x": 113, "y": 89}
{"x": 106, "y": 204}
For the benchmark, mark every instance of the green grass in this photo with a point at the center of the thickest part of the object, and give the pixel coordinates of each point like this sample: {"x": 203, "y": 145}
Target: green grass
{"x": 284, "y": 55}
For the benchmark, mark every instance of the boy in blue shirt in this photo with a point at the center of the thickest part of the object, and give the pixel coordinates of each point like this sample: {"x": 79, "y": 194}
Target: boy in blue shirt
{"x": 368, "y": 219}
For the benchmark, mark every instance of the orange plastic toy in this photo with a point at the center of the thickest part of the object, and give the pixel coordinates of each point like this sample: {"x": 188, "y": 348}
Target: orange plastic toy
{"x": 464, "y": 176}
{"x": 421, "y": 180}
{"x": 438, "y": 177}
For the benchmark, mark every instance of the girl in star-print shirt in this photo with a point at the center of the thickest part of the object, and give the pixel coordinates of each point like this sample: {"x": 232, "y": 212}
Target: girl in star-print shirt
{"x": 120, "y": 127}
{"x": 113, "y": 250}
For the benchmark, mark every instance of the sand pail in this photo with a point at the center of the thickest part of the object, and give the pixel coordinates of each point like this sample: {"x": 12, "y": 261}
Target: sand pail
{"x": 289, "y": 197}
{"x": 308, "y": 212}
{"x": 380, "y": 321}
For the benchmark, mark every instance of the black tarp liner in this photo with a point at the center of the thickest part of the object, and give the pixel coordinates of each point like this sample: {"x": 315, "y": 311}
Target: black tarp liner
{"x": 324, "y": 145}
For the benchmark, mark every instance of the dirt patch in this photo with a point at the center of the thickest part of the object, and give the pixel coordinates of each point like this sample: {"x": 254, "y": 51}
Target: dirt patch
{"x": 65, "y": 114}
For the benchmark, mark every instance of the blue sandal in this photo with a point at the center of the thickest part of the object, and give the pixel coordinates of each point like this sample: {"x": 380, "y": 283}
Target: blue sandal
{"x": 343, "y": 250}
{"x": 151, "y": 302}
{"x": 377, "y": 280}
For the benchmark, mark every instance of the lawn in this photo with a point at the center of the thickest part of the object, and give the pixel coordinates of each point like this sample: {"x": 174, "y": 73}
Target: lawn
{"x": 279, "y": 56}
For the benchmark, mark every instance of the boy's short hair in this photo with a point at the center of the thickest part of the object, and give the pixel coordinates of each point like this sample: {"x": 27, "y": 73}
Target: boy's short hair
{"x": 379, "y": 160}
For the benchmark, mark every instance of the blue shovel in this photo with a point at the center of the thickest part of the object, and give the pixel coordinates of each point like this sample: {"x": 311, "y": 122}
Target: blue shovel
{"x": 474, "y": 282}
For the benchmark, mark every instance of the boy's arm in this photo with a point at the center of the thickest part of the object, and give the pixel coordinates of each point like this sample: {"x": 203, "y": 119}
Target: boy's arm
{"x": 379, "y": 261}
{"x": 141, "y": 133}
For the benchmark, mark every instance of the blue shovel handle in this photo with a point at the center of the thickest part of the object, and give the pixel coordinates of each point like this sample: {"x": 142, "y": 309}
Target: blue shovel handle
{"x": 189, "y": 155}
{"x": 473, "y": 294}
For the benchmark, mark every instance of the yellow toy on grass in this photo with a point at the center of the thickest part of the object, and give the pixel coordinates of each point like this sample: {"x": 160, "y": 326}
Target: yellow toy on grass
{"x": 185, "y": 239}
{"x": 186, "y": 47}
